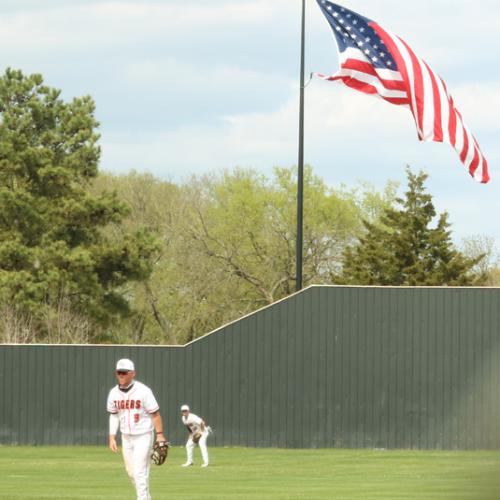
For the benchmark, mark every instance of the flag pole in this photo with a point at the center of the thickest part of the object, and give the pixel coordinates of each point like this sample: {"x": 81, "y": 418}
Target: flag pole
{"x": 300, "y": 168}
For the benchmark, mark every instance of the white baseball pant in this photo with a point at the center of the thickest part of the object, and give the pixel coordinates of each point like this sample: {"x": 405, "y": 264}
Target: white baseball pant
{"x": 190, "y": 446}
{"x": 137, "y": 455}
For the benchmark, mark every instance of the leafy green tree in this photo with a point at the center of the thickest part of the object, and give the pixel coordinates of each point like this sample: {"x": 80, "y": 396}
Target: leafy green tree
{"x": 188, "y": 293}
{"x": 54, "y": 248}
{"x": 489, "y": 265}
{"x": 228, "y": 244}
{"x": 247, "y": 225}
{"x": 404, "y": 249}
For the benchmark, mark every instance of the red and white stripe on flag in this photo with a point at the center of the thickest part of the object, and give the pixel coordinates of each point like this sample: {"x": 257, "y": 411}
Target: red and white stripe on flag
{"x": 410, "y": 82}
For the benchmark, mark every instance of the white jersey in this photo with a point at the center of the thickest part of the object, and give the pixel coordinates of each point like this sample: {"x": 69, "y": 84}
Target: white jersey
{"x": 193, "y": 422}
{"x": 134, "y": 408}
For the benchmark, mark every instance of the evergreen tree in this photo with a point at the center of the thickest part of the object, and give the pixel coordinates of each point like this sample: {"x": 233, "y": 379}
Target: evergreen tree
{"x": 53, "y": 246}
{"x": 405, "y": 250}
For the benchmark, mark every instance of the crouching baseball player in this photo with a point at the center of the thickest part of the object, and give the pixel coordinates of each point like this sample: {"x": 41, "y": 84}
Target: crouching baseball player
{"x": 198, "y": 432}
{"x": 133, "y": 408}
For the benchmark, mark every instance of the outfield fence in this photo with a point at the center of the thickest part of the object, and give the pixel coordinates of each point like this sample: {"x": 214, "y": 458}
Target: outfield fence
{"x": 351, "y": 367}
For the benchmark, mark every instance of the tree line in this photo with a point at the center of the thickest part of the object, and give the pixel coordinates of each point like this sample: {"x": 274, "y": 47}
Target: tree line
{"x": 89, "y": 256}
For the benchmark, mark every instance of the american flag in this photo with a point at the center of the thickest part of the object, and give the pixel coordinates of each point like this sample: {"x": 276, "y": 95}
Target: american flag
{"x": 374, "y": 61}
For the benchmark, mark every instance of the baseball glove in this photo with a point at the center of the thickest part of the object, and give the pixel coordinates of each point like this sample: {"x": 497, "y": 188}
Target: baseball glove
{"x": 196, "y": 436}
{"x": 160, "y": 452}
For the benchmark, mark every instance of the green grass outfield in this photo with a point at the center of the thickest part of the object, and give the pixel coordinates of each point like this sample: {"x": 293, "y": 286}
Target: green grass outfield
{"x": 247, "y": 473}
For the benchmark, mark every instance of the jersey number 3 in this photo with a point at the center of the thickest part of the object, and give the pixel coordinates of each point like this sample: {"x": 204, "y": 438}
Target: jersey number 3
{"x": 136, "y": 417}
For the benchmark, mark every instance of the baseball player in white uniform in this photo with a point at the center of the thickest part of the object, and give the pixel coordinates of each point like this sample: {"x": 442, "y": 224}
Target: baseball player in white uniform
{"x": 133, "y": 408}
{"x": 195, "y": 425}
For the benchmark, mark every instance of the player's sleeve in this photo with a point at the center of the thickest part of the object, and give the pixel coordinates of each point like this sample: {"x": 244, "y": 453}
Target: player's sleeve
{"x": 111, "y": 405}
{"x": 114, "y": 423}
{"x": 150, "y": 402}
{"x": 196, "y": 419}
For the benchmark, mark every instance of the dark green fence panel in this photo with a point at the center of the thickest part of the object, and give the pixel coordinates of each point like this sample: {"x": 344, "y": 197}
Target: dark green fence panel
{"x": 346, "y": 367}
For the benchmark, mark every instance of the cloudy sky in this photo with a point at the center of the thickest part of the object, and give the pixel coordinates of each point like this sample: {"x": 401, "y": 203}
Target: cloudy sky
{"x": 185, "y": 87}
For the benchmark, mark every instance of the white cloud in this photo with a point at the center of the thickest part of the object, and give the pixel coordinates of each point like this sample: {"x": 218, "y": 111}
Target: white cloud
{"x": 171, "y": 74}
{"x": 338, "y": 122}
{"x": 479, "y": 103}
{"x": 84, "y": 26}
{"x": 185, "y": 87}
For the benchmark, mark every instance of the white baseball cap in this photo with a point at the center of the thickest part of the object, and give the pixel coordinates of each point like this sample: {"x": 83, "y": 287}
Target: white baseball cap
{"x": 125, "y": 365}
{"x": 184, "y": 408}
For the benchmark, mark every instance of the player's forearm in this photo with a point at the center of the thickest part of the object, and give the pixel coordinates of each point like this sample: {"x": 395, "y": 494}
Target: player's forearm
{"x": 114, "y": 422}
{"x": 158, "y": 423}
